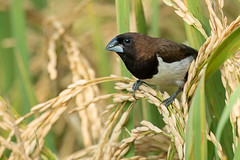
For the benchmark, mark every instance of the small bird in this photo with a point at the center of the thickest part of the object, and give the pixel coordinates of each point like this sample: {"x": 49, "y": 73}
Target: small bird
{"x": 154, "y": 61}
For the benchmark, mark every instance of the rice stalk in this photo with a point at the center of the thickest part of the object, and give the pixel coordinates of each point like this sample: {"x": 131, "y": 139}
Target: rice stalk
{"x": 52, "y": 109}
{"x": 80, "y": 68}
{"x": 85, "y": 153}
{"x": 12, "y": 122}
{"x": 230, "y": 78}
{"x": 182, "y": 10}
{"x": 138, "y": 134}
{"x": 169, "y": 140}
{"x": 213, "y": 139}
{"x": 50, "y": 112}
{"x": 217, "y": 36}
{"x": 172, "y": 122}
{"x": 204, "y": 52}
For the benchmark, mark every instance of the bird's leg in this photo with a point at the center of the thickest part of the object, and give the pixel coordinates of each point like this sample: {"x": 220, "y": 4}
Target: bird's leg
{"x": 172, "y": 97}
{"x": 136, "y": 86}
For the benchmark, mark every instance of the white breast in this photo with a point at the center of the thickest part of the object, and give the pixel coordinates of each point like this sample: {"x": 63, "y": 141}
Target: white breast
{"x": 170, "y": 73}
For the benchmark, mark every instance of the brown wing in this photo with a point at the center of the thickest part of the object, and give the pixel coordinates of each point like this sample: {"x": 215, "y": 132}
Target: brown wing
{"x": 171, "y": 51}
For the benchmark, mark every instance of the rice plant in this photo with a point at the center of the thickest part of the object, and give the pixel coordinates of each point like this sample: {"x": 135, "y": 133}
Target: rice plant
{"x": 58, "y": 101}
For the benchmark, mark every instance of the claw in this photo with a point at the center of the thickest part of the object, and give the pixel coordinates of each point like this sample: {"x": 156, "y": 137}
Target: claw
{"x": 136, "y": 86}
{"x": 169, "y": 100}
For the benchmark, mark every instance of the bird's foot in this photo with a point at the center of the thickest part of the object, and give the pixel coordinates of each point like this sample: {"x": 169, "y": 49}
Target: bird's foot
{"x": 136, "y": 86}
{"x": 168, "y": 101}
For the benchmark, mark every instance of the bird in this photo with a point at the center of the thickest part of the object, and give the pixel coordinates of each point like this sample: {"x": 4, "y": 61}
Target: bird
{"x": 153, "y": 60}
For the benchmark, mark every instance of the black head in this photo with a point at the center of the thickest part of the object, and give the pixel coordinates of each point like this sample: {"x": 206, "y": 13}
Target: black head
{"x": 132, "y": 45}
{"x": 123, "y": 45}
{"x": 135, "y": 50}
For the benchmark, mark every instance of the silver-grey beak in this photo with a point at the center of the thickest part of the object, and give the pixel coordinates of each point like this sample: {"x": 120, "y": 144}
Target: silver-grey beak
{"x": 113, "y": 45}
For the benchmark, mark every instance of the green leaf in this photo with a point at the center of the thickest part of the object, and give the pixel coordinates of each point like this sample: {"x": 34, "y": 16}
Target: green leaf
{"x": 215, "y": 95}
{"x": 123, "y": 22}
{"x": 154, "y": 25}
{"x": 123, "y": 16}
{"x": 224, "y": 51}
{"x": 197, "y": 10}
{"x": 140, "y": 17}
{"x": 237, "y": 152}
{"x": 196, "y": 141}
{"x": 7, "y": 64}
{"x": 123, "y": 13}
{"x": 18, "y": 26}
{"x": 195, "y": 38}
{"x": 226, "y": 113}
{"x": 219, "y": 56}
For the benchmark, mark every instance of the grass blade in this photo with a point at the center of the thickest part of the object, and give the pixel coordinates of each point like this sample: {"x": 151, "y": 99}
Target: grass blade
{"x": 195, "y": 38}
{"x": 226, "y": 113}
{"x": 237, "y": 153}
{"x": 6, "y": 56}
{"x": 123, "y": 22}
{"x": 197, "y": 10}
{"x": 196, "y": 141}
{"x": 154, "y": 26}
{"x": 225, "y": 50}
{"x": 140, "y": 17}
{"x": 123, "y": 12}
{"x": 21, "y": 54}
{"x": 219, "y": 56}
{"x": 18, "y": 25}
{"x": 215, "y": 95}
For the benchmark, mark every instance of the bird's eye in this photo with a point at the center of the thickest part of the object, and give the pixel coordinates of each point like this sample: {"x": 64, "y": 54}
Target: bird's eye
{"x": 127, "y": 41}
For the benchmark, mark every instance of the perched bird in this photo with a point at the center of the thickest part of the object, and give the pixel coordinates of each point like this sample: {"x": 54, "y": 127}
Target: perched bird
{"x": 154, "y": 61}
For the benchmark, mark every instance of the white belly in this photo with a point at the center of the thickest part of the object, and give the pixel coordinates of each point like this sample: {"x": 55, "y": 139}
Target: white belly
{"x": 170, "y": 73}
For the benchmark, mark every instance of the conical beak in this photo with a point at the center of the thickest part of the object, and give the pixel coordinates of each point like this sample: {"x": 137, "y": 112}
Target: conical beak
{"x": 113, "y": 45}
